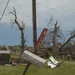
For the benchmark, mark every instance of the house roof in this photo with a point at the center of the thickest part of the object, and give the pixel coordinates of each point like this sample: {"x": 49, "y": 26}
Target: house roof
{"x": 4, "y": 52}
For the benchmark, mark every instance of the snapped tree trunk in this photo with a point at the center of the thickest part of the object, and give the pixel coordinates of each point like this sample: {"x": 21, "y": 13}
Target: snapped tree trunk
{"x": 22, "y": 41}
{"x": 21, "y": 28}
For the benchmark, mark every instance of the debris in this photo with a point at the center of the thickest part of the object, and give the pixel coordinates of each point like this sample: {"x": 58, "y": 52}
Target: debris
{"x": 49, "y": 63}
{"x": 32, "y": 58}
{"x": 52, "y": 63}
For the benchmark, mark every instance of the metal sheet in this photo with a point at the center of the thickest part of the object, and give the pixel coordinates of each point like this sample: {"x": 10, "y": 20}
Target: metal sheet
{"x": 32, "y": 58}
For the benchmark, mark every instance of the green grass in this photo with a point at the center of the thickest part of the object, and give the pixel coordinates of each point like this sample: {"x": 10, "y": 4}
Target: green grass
{"x": 67, "y": 68}
{"x": 14, "y": 56}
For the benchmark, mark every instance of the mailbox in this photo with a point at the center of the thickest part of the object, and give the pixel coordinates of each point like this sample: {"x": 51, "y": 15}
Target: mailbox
{"x": 32, "y": 58}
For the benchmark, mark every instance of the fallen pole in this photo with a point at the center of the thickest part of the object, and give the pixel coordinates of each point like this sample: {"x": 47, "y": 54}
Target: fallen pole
{"x": 26, "y": 68}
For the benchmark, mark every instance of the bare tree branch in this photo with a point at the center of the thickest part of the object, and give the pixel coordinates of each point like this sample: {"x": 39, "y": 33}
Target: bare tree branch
{"x": 15, "y": 20}
{"x": 66, "y": 42}
{"x": 21, "y": 28}
{"x": 4, "y": 9}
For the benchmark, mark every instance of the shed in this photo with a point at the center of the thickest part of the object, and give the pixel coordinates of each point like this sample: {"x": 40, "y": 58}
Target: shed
{"x": 4, "y": 57}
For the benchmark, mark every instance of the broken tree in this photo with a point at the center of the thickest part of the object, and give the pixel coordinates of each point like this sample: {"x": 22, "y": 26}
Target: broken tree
{"x": 21, "y": 28}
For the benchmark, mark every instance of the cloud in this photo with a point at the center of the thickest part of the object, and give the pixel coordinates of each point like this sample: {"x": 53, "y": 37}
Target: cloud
{"x": 62, "y": 10}
{"x": 45, "y": 8}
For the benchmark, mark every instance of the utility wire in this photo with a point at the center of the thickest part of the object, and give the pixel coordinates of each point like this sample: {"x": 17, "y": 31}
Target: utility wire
{"x": 4, "y": 9}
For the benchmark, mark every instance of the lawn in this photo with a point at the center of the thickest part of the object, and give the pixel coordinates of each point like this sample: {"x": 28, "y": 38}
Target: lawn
{"x": 67, "y": 68}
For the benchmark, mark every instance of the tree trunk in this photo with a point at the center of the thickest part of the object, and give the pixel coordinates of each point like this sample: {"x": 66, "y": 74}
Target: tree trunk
{"x": 22, "y": 41}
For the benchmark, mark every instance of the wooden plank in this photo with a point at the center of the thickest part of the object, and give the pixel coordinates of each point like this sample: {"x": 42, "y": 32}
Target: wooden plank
{"x": 32, "y": 58}
{"x": 43, "y": 34}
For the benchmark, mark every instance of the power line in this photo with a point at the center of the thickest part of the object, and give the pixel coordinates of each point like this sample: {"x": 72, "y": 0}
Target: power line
{"x": 5, "y": 9}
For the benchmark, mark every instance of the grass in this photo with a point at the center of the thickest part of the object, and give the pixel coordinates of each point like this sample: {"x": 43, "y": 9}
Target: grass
{"x": 67, "y": 68}
{"x": 14, "y": 56}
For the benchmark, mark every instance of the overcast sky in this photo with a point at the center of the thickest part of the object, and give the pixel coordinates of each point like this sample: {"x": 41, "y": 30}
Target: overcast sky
{"x": 61, "y": 10}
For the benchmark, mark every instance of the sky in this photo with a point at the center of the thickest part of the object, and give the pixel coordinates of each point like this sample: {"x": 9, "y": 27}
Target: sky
{"x": 61, "y": 10}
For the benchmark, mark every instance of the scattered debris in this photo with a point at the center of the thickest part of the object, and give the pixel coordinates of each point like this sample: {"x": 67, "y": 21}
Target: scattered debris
{"x": 32, "y": 58}
{"x": 52, "y": 63}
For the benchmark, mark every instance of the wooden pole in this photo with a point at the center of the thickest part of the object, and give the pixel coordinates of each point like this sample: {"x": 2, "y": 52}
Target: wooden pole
{"x": 34, "y": 32}
{"x": 26, "y": 68}
{"x": 34, "y": 24}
